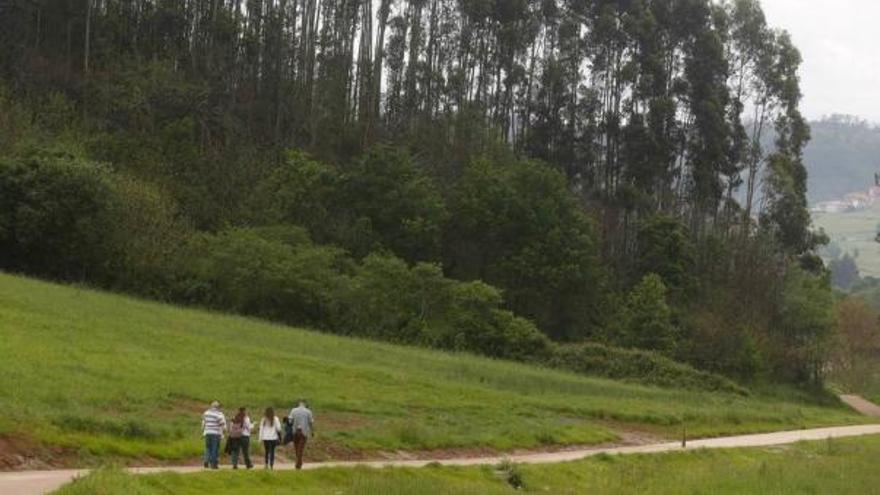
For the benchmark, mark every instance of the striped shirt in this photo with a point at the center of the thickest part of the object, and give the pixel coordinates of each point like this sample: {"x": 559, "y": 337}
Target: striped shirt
{"x": 213, "y": 422}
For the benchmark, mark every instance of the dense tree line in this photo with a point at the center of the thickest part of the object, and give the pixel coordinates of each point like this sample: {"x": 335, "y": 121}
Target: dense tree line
{"x": 604, "y": 164}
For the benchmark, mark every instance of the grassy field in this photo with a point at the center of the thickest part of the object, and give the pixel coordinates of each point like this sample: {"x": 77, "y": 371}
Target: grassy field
{"x": 855, "y": 232}
{"x": 835, "y": 466}
{"x": 89, "y": 377}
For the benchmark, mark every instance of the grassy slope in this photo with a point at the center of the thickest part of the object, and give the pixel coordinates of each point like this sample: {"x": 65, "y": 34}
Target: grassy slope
{"x": 109, "y": 376}
{"x": 855, "y": 231}
{"x": 838, "y": 466}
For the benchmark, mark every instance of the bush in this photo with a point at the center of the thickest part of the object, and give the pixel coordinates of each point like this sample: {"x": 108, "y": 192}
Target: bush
{"x": 389, "y": 300}
{"x": 54, "y": 215}
{"x": 645, "y": 321}
{"x": 475, "y": 322}
{"x": 253, "y": 271}
{"x": 637, "y": 366}
{"x": 519, "y": 228}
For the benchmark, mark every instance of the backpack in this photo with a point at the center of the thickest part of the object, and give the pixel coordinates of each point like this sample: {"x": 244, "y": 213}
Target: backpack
{"x": 288, "y": 432}
{"x": 236, "y": 430}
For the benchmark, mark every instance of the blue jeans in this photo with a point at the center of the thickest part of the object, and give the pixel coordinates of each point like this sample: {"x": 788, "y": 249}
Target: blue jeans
{"x": 212, "y": 451}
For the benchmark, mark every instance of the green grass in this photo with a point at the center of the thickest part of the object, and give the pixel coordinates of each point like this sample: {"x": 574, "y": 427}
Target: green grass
{"x": 833, "y": 466}
{"x": 855, "y": 231}
{"x": 110, "y": 377}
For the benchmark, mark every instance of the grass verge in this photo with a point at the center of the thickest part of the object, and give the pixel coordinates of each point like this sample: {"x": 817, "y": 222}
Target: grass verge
{"x": 840, "y": 466}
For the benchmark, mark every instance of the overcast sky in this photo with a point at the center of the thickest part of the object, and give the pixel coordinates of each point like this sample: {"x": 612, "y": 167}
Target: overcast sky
{"x": 840, "y": 44}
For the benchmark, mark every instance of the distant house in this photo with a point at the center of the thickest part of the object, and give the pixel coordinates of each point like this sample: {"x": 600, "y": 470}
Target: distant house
{"x": 832, "y": 207}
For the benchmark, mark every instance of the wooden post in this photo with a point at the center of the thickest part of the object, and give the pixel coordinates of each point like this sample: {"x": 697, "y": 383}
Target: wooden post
{"x": 684, "y": 435}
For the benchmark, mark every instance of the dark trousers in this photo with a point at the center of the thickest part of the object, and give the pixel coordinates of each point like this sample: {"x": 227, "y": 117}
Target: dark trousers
{"x": 241, "y": 445}
{"x": 299, "y": 447}
{"x": 212, "y": 451}
{"x": 269, "y": 451}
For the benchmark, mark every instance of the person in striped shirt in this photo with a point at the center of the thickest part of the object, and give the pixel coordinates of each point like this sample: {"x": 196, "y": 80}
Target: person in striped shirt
{"x": 213, "y": 426}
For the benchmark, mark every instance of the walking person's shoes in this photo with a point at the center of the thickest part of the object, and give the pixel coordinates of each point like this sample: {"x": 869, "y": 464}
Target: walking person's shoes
{"x": 207, "y": 465}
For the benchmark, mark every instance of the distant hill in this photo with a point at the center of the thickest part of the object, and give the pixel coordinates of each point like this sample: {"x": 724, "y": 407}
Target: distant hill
{"x": 842, "y": 157}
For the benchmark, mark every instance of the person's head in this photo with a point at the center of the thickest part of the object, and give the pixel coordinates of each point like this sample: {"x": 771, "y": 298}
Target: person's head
{"x": 301, "y": 402}
{"x": 269, "y": 414}
{"x": 239, "y": 418}
{"x": 215, "y": 404}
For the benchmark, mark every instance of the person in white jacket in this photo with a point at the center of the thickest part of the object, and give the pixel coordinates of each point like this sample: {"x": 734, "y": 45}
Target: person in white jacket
{"x": 270, "y": 435}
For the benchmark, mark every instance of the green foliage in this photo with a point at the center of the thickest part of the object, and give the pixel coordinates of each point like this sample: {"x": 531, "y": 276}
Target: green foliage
{"x": 147, "y": 233}
{"x": 639, "y": 366}
{"x": 379, "y": 201}
{"x": 842, "y": 466}
{"x": 253, "y": 271}
{"x": 54, "y": 215}
{"x": 643, "y": 164}
{"x": 805, "y": 325}
{"x": 645, "y": 321}
{"x": 389, "y": 300}
{"x": 299, "y": 191}
{"x": 397, "y": 203}
{"x": 844, "y": 272}
{"x": 664, "y": 248}
{"x": 518, "y": 227}
{"x": 476, "y": 322}
{"x": 92, "y": 360}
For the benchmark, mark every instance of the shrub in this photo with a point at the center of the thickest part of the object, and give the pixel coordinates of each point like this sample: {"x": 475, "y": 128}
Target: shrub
{"x": 253, "y": 272}
{"x": 54, "y": 215}
{"x": 475, "y": 322}
{"x": 638, "y": 366}
{"x": 519, "y": 228}
{"x": 389, "y": 300}
{"x": 645, "y": 321}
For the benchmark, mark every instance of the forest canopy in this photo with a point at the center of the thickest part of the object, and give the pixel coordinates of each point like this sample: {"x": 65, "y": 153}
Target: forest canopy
{"x": 528, "y": 173}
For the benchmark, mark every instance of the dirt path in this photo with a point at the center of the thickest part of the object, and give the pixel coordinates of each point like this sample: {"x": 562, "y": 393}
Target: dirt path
{"x": 39, "y": 482}
{"x": 861, "y": 405}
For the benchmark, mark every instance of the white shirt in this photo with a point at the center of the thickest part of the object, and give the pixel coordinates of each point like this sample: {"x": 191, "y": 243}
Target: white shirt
{"x": 270, "y": 431}
{"x": 246, "y": 427}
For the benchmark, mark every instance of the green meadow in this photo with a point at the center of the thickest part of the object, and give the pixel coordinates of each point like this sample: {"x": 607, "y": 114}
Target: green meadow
{"x": 843, "y": 466}
{"x": 91, "y": 377}
{"x": 854, "y": 232}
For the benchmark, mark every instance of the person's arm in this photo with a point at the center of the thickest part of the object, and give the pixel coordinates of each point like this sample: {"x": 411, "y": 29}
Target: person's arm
{"x": 312, "y": 423}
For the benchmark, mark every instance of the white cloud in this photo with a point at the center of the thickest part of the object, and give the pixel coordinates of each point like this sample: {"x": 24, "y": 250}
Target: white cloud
{"x": 839, "y": 42}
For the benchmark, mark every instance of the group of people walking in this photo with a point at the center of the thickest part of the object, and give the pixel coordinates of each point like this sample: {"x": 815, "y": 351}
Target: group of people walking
{"x": 297, "y": 427}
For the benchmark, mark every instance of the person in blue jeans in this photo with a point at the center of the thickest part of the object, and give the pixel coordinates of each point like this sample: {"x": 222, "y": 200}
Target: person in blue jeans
{"x": 213, "y": 426}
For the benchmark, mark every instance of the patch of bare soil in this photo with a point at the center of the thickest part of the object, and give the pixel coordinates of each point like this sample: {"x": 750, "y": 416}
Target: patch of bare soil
{"x": 22, "y": 453}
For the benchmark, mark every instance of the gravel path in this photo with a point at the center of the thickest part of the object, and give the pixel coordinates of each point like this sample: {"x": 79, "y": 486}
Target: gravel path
{"x": 861, "y": 405}
{"x": 40, "y": 482}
